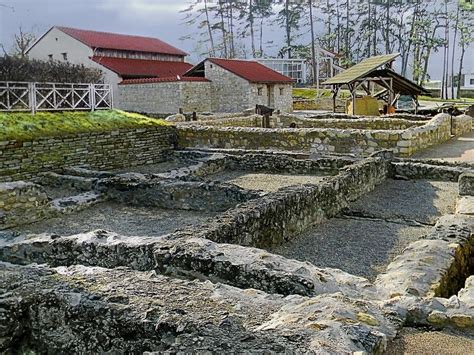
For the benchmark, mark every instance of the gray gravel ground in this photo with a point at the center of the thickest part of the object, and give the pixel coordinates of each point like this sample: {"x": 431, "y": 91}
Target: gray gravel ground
{"x": 365, "y": 246}
{"x": 359, "y": 247}
{"x": 265, "y": 182}
{"x": 125, "y": 220}
{"x": 156, "y": 168}
{"x": 416, "y": 341}
{"x": 420, "y": 200}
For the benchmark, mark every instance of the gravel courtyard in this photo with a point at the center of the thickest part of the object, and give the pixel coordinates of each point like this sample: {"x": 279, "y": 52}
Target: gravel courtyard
{"x": 376, "y": 228}
{"x": 125, "y": 220}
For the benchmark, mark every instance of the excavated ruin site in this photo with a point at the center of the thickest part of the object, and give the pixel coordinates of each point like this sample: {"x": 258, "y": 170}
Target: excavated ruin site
{"x": 236, "y": 240}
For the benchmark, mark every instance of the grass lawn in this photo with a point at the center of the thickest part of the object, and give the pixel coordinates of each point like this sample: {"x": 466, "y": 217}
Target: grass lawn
{"x": 311, "y": 93}
{"x": 437, "y": 99}
{"x": 24, "y": 126}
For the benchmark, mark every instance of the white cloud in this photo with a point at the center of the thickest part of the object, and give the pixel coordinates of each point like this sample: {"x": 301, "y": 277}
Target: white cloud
{"x": 143, "y": 8}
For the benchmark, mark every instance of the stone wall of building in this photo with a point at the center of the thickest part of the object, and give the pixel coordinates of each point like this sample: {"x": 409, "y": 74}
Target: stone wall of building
{"x": 230, "y": 93}
{"x": 102, "y": 150}
{"x": 21, "y": 202}
{"x": 166, "y": 97}
{"x": 319, "y": 140}
{"x": 277, "y": 96}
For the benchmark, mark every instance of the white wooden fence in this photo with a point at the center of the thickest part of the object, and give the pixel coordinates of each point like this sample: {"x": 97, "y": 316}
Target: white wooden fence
{"x": 25, "y": 96}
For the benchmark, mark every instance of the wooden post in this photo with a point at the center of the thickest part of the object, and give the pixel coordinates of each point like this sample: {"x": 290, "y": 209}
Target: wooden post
{"x": 352, "y": 88}
{"x": 32, "y": 97}
{"x": 334, "y": 95}
{"x": 194, "y": 116}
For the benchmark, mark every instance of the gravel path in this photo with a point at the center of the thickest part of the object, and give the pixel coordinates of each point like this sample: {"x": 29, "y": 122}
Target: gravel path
{"x": 415, "y": 341}
{"x": 265, "y": 182}
{"x": 456, "y": 149}
{"x": 365, "y": 246}
{"x": 125, "y": 220}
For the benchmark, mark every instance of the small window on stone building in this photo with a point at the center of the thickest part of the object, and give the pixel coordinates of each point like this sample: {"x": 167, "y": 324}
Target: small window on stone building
{"x": 260, "y": 91}
{"x": 282, "y": 91}
{"x": 210, "y": 66}
{"x": 64, "y": 56}
{"x": 50, "y": 56}
{"x": 472, "y": 82}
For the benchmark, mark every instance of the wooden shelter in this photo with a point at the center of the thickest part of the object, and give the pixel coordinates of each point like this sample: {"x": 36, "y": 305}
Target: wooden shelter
{"x": 375, "y": 71}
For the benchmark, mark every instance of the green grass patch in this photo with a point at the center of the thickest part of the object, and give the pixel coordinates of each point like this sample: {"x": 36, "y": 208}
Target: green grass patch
{"x": 437, "y": 99}
{"x": 23, "y": 126}
{"x": 312, "y": 93}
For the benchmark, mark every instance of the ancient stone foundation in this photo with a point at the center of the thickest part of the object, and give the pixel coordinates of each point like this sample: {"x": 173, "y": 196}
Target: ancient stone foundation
{"x": 324, "y": 135}
{"x": 219, "y": 284}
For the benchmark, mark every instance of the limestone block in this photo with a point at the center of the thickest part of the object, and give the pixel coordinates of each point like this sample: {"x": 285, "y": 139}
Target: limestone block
{"x": 466, "y": 184}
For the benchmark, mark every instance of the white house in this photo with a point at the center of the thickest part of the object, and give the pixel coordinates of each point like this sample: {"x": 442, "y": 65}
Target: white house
{"x": 217, "y": 85}
{"x": 118, "y": 56}
{"x": 468, "y": 81}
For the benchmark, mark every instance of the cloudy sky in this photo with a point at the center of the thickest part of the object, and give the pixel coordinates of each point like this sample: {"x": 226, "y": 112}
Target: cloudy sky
{"x": 159, "y": 18}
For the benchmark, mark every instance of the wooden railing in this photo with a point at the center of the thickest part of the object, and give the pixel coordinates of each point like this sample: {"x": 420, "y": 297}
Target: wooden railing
{"x": 27, "y": 96}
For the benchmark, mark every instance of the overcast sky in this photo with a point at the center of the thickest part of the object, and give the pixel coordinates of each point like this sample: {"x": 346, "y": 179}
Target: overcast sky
{"x": 155, "y": 18}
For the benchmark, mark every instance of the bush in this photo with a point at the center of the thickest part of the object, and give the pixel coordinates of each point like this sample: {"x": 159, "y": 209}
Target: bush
{"x": 22, "y": 69}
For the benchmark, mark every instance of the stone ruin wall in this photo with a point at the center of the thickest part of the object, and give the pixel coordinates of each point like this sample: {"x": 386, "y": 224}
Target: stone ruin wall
{"x": 403, "y": 142}
{"x": 21, "y": 202}
{"x": 276, "y": 218}
{"x": 100, "y": 150}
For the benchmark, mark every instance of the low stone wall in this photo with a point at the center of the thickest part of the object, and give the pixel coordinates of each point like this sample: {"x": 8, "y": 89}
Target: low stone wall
{"x": 104, "y": 150}
{"x": 277, "y": 163}
{"x": 21, "y": 202}
{"x": 461, "y": 125}
{"x": 429, "y": 170}
{"x": 278, "y": 217}
{"x": 466, "y": 183}
{"x": 318, "y": 140}
{"x": 388, "y": 123}
{"x": 186, "y": 195}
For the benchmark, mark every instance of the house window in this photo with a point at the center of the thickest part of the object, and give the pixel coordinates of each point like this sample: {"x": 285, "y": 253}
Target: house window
{"x": 282, "y": 91}
{"x": 210, "y": 66}
{"x": 260, "y": 91}
{"x": 472, "y": 81}
{"x": 50, "y": 56}
{"x": 64, "y": 56}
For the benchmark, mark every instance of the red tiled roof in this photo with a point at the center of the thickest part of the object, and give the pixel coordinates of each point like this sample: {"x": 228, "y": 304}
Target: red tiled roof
{"x": 108, "y": 40}
{"x": 251, "y": 71}
{"x": 163, "y": 80}
{"x": 143, "y": 68}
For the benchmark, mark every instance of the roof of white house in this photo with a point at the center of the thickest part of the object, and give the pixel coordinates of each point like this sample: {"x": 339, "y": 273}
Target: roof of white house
{"x": 107, "y": 40}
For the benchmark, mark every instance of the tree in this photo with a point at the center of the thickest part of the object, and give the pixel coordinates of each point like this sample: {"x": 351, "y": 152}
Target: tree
{"x": 289, "y": 18}
{"x": 466, "y": 37}
{"x": 22, "y": 41}
{"x": 14, "y": 68}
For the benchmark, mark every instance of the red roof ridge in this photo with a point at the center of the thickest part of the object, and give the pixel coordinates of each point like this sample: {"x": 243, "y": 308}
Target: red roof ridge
{"x": 252, "y": 71}
{"x": 163, "y": 79}
{"x": 110, "y": 40}
{"x": 142, "y": 67}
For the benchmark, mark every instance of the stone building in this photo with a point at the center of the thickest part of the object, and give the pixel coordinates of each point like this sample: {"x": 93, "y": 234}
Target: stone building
{"x": 214, "y": 85}
{"x": 119, "y": 56}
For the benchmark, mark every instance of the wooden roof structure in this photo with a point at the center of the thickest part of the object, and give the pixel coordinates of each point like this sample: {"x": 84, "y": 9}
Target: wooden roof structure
{"x": 371, "y": 71}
